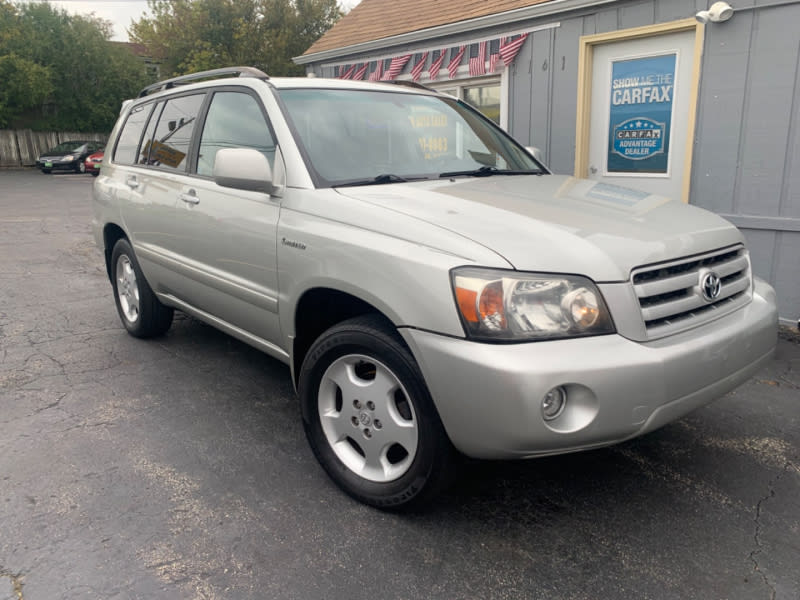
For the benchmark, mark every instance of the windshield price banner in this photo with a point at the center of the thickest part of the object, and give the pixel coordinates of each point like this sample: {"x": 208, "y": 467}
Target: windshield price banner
{"x": 642, "y": 90}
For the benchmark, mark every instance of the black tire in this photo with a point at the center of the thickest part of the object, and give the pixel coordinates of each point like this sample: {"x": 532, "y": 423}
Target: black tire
{"x": 95, "y": 173}
{"x": 405, "y": 472}
{"x": 80, "y": 167}
{"x": 47, "y": 171}
{"x": 139, "y": 310}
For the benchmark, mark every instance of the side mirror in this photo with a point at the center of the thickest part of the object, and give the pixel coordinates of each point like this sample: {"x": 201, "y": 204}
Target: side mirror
{"x": 535, "y": 153}
{"x": 243, "y": 169}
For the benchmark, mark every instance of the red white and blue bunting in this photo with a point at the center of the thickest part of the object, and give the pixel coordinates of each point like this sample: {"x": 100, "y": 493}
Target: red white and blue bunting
{"x": 482, "y": 57}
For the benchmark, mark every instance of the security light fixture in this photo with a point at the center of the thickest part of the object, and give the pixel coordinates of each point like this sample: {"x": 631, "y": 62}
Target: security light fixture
{"x": 716, "y": 13}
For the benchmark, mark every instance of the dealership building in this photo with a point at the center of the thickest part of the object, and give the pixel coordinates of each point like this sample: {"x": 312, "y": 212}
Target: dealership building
{"x": 696, "y": 101}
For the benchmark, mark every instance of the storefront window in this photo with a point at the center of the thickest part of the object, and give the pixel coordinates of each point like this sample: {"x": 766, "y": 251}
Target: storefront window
{"x": 486, "y": 98}
{"x": 484, "y": 95}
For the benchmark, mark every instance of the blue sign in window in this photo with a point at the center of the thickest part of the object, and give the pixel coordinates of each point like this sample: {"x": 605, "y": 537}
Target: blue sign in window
{"x": 642, "y": 92}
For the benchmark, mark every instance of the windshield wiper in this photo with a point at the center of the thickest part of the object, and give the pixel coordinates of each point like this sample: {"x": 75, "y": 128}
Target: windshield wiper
{"x": 380, "y": 179}
{"x": 487, "y": 171}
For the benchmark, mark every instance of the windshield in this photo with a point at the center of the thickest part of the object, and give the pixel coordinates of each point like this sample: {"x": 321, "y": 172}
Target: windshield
{"x": 66, "y": 147}
{"x": 365, "y": 136}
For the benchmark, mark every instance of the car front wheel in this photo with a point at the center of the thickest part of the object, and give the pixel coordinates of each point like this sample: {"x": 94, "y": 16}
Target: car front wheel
{"x": 369, "y": 417}
{"x": 139, "y": 310}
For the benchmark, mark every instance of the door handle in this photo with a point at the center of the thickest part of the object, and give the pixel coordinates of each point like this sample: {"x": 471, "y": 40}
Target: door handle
{"x": 190, "y": 198}
{"x": 131, "y": 182}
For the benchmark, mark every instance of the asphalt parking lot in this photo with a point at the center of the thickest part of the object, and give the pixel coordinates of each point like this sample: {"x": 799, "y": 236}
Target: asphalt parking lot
{"x": 178, "y": 468}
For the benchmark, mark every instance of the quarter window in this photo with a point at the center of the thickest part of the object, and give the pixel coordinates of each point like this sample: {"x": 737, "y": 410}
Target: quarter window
{"x": 150, "y": 132}
{"x": 131, "y": 134}
{"x": 234, "y": 120}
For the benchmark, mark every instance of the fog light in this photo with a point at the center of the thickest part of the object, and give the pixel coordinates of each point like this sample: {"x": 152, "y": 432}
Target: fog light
{"x": 553, "y": 403}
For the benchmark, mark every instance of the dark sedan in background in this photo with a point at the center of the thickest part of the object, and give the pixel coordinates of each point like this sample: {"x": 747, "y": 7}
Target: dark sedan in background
{"x": 69, "y": 156}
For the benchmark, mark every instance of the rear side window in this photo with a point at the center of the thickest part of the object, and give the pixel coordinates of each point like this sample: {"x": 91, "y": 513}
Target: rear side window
{"x": 234, "y": 120}
{"x": 170, "y": 145}
{"x": 131, "y": 134}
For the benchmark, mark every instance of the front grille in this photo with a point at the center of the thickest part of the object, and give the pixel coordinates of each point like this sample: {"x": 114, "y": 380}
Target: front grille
{"x": 671, "y": 295}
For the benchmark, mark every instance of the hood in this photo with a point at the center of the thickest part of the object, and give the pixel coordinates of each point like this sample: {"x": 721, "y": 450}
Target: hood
{"x": 558, "y": 223}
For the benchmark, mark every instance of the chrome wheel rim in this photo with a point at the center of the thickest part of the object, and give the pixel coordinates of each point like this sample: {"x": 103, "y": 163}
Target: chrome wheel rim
{"x": 127, "y": 289}
{"x": 367, "y": 418}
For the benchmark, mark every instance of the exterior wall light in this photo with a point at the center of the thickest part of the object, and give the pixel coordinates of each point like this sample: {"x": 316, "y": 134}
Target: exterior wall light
{"x": 716, "y": 13}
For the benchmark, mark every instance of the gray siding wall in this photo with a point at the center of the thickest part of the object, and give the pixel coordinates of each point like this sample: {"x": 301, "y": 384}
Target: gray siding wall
{"x": 746, "y": 163}
{"x": 747, "y": 154}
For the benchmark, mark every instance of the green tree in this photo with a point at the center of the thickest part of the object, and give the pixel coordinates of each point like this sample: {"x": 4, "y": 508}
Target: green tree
{"x": 25, "y": 86}
{"x": 195, "y": 35}
{"x": 66, "y": 74}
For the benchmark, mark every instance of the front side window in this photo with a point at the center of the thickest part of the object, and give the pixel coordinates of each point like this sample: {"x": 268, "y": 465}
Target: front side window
{"x": 234, "y": 120}
{"x": 170, "y": 144}
{"x": 351, "y": 136}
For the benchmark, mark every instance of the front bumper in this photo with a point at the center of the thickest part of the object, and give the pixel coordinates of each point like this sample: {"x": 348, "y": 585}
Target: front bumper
{"x": 489, "y": 396}
{"x": 56, "y": 163}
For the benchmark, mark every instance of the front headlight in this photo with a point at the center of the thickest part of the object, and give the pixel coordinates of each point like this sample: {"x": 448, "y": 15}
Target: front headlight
{"x": 69, "y": 158}
{"x": 509, "y": 306}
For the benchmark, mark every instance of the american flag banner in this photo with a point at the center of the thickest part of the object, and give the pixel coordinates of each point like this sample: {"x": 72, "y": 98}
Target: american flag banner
{"x": 477, "y": 59}
{"x": 509, "y": 48}
{"x": 452, "y": 66}
{"x": 360, "y": 72}
{"x": 419, "y": 65}
{"x": 395, "y": 67}
{"x": 494, "y": 55}
{"x": 436, "y": 64}
{"x": 377, "y": 73}
{"x": 347, "y": 73}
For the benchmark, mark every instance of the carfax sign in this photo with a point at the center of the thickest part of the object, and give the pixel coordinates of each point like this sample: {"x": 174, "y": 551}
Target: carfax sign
{"x": 642, "y": 90}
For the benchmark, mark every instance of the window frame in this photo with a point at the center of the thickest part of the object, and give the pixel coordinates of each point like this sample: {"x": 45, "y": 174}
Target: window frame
{"x": 194, "y": 147}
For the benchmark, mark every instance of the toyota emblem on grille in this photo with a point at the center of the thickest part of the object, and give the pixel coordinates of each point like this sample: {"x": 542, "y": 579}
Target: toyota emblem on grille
{"x": 711, "y": 286}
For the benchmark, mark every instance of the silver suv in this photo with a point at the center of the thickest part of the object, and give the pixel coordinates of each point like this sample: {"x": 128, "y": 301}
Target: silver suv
{"x": 435, "y": 290}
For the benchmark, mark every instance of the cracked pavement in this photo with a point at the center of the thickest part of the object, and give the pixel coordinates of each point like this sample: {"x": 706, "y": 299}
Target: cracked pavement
{"x": 178, "y": 468}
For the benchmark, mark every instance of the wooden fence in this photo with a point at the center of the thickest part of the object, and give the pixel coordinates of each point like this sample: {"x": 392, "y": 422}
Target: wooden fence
{"x": 19, "y": 148}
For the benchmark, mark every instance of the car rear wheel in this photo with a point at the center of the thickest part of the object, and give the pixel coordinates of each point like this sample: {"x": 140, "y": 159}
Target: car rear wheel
{"x": 369, "y": 417}
{"x": 139, "y": 310}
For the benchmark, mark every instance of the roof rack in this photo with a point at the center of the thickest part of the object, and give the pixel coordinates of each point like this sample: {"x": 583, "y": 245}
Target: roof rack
{"x": 412, "y": 84}
{"x": 184, "y": 79}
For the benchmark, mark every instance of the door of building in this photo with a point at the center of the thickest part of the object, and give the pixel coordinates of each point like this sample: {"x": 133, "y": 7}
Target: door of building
{"x": 637, "y": 117}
